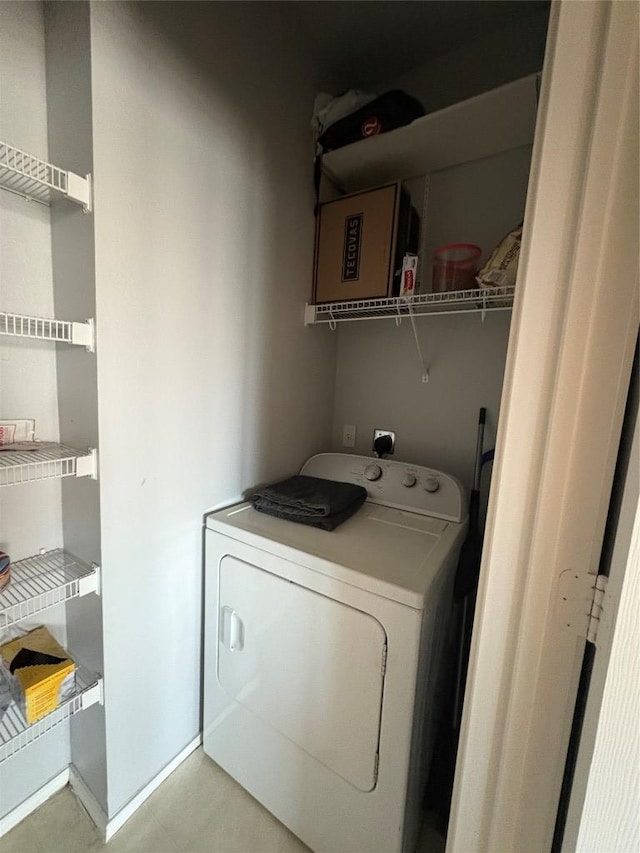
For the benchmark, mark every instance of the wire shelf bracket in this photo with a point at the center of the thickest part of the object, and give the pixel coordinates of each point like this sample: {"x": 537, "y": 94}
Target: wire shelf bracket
{"x": 40, "y": 328}
{"x": 53, "y": 461}
{"x": 36, "y": 180}
{"x": 16, "y": 734}
{"x": 44, "y": 580}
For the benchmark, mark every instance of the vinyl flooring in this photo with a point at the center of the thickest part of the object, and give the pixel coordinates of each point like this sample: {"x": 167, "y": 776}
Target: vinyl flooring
{"x": 198, "y": 809}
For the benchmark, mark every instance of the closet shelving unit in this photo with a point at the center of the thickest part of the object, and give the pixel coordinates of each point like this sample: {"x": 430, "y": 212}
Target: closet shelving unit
{"x": 35, "y": 179}
{"x": 50, "y": 577}
{"x": 51, "y": 462}
{"x": 44, "y": 580}
{"x": 459, "y": 302}
{"x": 37, "y": 583}
{"x": 16, "y": 733}
{"x": 42, "y": 329}
{"x": 489, "y": 124}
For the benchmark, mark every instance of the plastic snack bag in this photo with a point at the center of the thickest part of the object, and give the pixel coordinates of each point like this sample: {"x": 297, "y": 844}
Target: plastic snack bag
{"x": 502, "y": 267}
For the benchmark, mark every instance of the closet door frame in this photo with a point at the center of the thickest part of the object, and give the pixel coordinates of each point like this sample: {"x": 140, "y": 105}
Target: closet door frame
{"x": 574, "y": 327}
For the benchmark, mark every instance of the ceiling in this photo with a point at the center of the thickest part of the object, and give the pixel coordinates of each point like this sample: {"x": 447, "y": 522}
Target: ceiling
{"x": 366, "y": 41}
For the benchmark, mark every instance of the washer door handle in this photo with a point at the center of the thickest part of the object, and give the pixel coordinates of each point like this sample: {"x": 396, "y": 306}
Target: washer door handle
{"x": 231, "y": 630}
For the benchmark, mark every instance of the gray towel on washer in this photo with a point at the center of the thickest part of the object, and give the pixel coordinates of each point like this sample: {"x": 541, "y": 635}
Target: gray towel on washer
{"x": 310, "y": 500}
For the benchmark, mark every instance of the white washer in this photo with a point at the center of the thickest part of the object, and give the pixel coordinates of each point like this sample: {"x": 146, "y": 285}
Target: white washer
{"x": 322, "y": 652}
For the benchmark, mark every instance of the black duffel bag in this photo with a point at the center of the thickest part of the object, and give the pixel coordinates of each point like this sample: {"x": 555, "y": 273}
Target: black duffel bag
{"x": 389, "y": 111}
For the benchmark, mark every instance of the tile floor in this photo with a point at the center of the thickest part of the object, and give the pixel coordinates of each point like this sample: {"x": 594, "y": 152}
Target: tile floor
{"x": 198, "y": 809}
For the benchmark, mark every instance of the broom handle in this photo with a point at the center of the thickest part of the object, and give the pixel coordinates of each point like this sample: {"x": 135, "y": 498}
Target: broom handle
{"x": 456, "y": 711}
{"x": 478, "y": 463}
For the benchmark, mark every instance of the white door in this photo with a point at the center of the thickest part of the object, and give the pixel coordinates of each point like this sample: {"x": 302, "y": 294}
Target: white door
{"x": 574, "y": 327}
{"x": 309, "y": 666}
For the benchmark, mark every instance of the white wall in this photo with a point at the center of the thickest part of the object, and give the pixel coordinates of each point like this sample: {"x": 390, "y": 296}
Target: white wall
{"x": 70, "y": 143}
{"x": 378, "y": 381}
{"x": 504, "y": 54}
{"x": 379, "y": 384}
{"x": 208, "y": 381}
{"x": 378, "y": 376}
{"x": 30, "y": 516}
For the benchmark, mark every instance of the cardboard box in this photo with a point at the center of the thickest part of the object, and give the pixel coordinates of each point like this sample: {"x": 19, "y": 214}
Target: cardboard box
{"x": 360, "y": 242}
{"x": 42, "y": 671}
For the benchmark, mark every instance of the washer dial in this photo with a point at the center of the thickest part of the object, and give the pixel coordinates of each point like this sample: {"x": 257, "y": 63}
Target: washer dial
{"x": 373, "y": 472}
{"x": 431, "y": 484}
{"x": 409, "y": 480}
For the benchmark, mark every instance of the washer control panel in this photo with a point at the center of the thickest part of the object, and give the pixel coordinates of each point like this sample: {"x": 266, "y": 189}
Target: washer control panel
{"x": 413, "y": 488}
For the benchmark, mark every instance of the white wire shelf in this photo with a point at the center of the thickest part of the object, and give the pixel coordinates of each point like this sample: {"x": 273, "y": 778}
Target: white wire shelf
{"x": 42, "y": 581}
{"x": 64, "y": 331}
{"x": 480, "y": 300}
{"x": 16, "y": 733}
{"x": 35, "y": 179}
{"x": 51, "y": 462}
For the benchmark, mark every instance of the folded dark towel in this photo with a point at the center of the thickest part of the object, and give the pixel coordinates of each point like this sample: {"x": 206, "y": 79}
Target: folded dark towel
{"x": 310, "y": 500}
{"x": 324, "y": 522}
{"x": 312, "y": 495}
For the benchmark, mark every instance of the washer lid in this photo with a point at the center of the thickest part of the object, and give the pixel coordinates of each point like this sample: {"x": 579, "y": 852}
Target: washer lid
{"x": 390, "y": 552}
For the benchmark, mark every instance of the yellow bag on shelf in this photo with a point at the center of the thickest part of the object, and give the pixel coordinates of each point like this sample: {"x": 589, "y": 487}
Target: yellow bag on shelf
{"x": 42, "y": 669}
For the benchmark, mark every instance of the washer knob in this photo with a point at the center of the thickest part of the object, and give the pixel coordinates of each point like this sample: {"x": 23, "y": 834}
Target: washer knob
{"x": 373, "y": 472}
{"x": 409, "y": 480}
{"x": 432, "y": 485}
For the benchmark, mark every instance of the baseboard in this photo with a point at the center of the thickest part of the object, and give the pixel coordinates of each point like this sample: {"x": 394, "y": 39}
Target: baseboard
{"x": 14, "y": 817}
{"x": 109, "y": 826}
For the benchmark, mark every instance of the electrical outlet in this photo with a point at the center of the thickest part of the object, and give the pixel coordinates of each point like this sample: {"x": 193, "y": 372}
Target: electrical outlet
{"x": 378, "y": 432}
{"x": 348, "y": 435}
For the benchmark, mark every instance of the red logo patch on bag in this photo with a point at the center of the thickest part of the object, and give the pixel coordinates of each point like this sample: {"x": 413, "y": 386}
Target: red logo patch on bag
{"x": 371, "y": 126}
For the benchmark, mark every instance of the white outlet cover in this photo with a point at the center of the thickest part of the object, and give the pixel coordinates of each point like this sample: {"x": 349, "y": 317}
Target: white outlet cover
{"x": 348, "y": 435}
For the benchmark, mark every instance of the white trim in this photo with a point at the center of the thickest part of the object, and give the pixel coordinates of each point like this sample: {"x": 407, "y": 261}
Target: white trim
{"x": 570, "y": 352}
{"x": 15, "y": 816}
{"x": 109, "y": 827}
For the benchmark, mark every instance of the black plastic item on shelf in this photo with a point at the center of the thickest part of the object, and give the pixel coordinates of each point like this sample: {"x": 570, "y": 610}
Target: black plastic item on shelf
{"x": 388, "y": 112}
{"x": 5, "y": 570}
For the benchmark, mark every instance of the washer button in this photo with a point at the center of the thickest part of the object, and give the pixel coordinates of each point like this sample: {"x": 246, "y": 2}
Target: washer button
{"x": 409, "y": 480}
{"x": 432, "y": 485}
